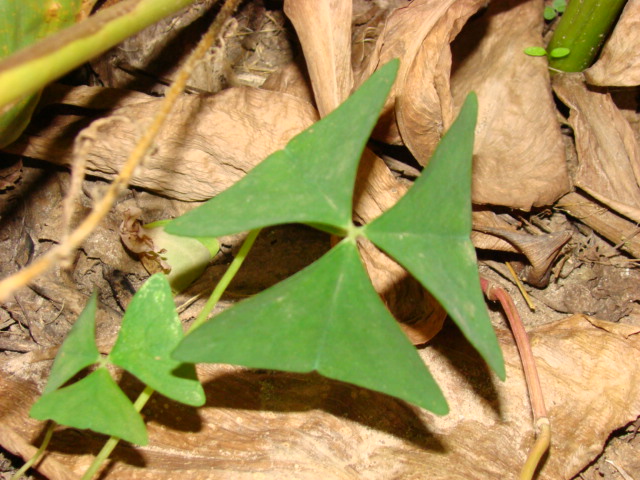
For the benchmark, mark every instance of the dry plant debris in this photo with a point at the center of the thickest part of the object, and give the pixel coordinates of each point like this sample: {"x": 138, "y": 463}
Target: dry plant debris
{"x": 287, "y": 426}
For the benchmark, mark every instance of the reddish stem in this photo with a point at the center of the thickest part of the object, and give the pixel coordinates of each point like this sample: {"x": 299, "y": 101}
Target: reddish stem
{"x": 494, "y": 292}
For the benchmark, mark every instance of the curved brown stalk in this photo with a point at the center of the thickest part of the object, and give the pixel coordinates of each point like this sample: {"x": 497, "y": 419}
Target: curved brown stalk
{"x": 494, "y": 292}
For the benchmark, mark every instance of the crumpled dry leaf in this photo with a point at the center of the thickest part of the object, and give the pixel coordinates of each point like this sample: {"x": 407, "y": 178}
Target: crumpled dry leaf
{"x": 541, "y": 251}
{"x": 619, "y": 62}
{"x": 493, "y": 232}
{"x": 418, "y": 34}
{"x": 208, "y": 143}
{"x": 519, "y": 153}
{"x": 608, "y": 152}
{"x": 306, "y": 427}
{"x": 138, "y": 241}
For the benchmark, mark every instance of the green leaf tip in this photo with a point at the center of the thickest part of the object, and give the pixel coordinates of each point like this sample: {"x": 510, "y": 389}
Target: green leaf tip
{"x": 310, "y": 181}
{"x": 428, "y": 233}
{"x": 326, "y": 318}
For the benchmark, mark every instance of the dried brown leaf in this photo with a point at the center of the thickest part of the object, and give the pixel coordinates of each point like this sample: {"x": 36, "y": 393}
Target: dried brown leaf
{"x": 306, "y": 427}
{"x": 541, "y": 250}
{"x": 608, "y": 152}
{"x": 519, "y": 154}
{"x": 419, "y": 34}
{"x": 208, "y": 144}
{"x": 619, "y": 62}
{"x": 324, "y": 30}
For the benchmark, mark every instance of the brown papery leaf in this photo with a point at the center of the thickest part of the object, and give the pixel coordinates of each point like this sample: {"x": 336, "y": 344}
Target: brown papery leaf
{"x": 286, "y": 426}
{"x": 324, "y": 30}
{"x": 519, "y": 158}
{"x": 208, "y": 143}
{"x": 419, "y": 34}
{"x": 608, "y": 152}
{"x": 619, "y": 62}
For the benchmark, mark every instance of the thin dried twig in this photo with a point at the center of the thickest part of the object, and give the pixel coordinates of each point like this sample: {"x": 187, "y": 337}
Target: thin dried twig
{"x": 100, "y": 210}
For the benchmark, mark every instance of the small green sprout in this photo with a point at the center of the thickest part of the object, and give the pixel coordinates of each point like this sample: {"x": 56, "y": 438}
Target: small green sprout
{"x": 555, "y": 9}
{"x": 559, "y": 52}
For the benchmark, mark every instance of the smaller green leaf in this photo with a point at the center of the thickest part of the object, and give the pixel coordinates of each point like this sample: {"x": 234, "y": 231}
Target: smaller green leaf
{"x": 559, "y": 52}
{"x": 535, "y": 51}
{"x": 549, "y": 13}
{"x": 78, "y": 350}
{"x": 96, "y": 403}
{"x": 326, "y": 318}
{"x": 150, "y": 331}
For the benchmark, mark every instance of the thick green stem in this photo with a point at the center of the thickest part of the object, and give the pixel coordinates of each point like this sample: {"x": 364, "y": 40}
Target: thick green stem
{"x": 583, "y": 29}
{"x": 30, "y": 69}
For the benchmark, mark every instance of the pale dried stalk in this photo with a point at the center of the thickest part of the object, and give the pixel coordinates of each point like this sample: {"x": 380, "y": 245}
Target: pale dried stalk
{"x": 100, "y": 210}
{"x": 84, "y": 143}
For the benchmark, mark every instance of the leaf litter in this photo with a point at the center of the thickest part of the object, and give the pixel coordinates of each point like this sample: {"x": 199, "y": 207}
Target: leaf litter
{"x": 287, "y": 426}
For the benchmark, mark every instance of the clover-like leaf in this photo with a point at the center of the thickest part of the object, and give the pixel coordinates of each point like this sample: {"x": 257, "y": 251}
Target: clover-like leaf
{"x": 79, "y": 349}
{"x": 97, "y": 403}
{"x": 428, "y": 233}
{"x": 309, "y": 181}
{"x": 326, "y": 318}
{"x": 150, "y": 330}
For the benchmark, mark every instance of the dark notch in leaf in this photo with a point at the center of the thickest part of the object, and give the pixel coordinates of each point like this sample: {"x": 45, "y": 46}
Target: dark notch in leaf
{"x": 309, "y": 181}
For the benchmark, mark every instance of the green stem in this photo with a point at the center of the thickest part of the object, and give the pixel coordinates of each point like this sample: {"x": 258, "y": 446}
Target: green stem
{"x": 582, "y": 29}
{"x": 39, "y": 452}
{"x": 143, "y": 398}
{"x": 110, "y": 444}
{"x": 225, "y": 280}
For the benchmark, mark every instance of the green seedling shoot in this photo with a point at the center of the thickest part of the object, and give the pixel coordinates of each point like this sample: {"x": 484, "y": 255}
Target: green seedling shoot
{"x": 29, "y": 67}
{"x": 554, "y": 10}
{"x": 326, "y": 318}
{"x": 541, "y": 52}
